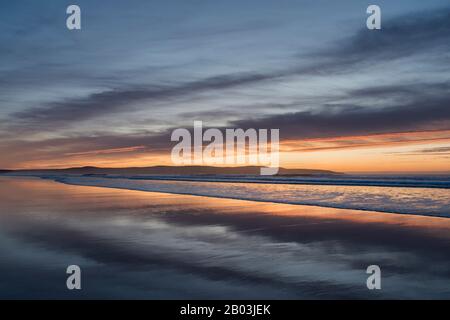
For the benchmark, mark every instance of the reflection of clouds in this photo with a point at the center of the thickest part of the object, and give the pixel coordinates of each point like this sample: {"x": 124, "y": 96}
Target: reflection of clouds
{"x": 156, "y": 245}
{"x": 210, "y": 255}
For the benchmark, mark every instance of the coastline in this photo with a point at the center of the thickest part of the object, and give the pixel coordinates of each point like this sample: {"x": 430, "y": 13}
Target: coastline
{"x": 398, "y": 200}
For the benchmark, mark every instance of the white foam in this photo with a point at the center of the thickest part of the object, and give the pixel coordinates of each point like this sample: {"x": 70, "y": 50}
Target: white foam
{"x": 408, "y": 200}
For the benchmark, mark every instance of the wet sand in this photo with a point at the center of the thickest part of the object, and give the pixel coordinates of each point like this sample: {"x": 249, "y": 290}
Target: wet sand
{"x": 135, "y": 244}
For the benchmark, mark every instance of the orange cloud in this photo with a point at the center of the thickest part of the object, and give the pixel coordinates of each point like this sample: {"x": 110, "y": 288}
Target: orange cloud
{"x": 375, "y": 140}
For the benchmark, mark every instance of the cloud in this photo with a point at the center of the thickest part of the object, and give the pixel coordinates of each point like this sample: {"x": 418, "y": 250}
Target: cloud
{"x": 22, "y": 153}
{"x": 366, "y": 141}
{"x": 417, "y": 106}
{"x": 106, "y": 151}
{"x": 426, "y": 113}
{"x": 400, "y": 37}
{"x": 426, "y": 107}
{"x": 436, "y": 150}
{"x": 442, "y": 152}
{"x": 59, "y": 114}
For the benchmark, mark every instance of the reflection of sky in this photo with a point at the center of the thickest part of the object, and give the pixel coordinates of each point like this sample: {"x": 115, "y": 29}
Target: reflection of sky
{"x": 412, "y": 200}
{"x": 133, "y": 244}
{"x": 146, "y": 66}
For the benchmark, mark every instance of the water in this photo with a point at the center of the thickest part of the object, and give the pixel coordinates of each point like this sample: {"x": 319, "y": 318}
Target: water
{"x": 133, "y": 244}
{"x": 409, "y": 200}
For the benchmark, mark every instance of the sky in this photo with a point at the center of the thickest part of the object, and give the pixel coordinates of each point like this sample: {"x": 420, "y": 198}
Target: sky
{"x": 345, "y": 98}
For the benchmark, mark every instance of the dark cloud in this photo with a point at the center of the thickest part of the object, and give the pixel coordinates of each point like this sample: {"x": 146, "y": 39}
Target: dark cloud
{"x": 400, "y": 37}
{"x": 436, "y": 150}
{"x": 427, "y": 109}
{"x": 422, "y": 114}
{"x": 58, "y": 114}
{"x": 411, "y": 90}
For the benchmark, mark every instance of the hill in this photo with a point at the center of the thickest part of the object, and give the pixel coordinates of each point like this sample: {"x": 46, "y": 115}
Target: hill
{"x": 175, "y": 170}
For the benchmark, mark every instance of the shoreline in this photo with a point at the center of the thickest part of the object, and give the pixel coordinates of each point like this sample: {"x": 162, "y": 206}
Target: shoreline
{"x": 241, "y": 198}
{"x": 356, "y": 181}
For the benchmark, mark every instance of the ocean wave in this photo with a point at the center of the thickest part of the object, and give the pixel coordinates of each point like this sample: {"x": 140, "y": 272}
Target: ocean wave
{"x": 404, "y": 200}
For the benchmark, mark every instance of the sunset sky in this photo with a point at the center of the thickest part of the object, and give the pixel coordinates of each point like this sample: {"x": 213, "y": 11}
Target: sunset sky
{"x": 345, "y": 98}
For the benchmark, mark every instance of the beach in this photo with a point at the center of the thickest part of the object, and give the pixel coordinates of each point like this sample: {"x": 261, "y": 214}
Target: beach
{"x": 148, "y": 245}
